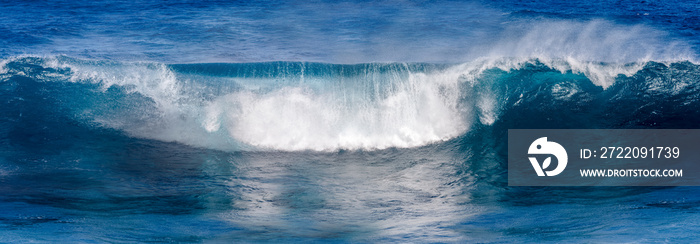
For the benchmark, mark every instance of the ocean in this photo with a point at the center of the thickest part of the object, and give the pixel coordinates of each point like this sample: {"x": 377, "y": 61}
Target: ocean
{"x": 332, "y": 121}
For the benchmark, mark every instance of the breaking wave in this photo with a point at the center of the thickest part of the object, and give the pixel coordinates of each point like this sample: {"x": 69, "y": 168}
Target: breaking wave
{"x": 296, "y": 106}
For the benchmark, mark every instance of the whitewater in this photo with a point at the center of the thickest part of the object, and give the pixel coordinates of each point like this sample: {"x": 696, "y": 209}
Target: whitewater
{"x": 294, "y": 106}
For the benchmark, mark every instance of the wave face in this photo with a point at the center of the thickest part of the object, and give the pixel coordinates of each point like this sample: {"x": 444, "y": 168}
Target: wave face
{"x": 295, "y": 106}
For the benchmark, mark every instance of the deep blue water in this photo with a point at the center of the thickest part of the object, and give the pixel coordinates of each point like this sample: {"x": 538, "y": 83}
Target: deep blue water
{"x": 338, "y": 121}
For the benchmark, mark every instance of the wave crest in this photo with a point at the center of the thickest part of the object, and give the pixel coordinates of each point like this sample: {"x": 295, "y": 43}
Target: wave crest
{"x": 293, "y": 106}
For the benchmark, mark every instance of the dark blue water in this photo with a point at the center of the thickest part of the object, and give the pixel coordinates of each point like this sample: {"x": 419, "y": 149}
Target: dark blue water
{"x": 331, "y": 121}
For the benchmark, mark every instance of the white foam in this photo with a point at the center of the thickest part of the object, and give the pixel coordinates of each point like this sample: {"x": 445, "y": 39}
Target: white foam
{"x": 375, "y": 111}
{"x": 601, "y": 74}
{"x": 153, "y": 80}
{"x": 421, "y": 110}
{"x": 3, "y": 62}
{"x": 396, "y": 108}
